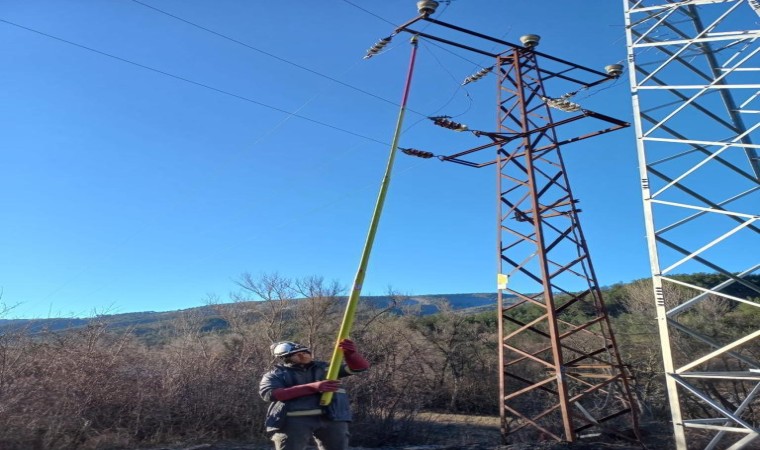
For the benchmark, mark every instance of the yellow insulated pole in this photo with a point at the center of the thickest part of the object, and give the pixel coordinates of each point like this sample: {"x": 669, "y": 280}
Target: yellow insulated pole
{"x": 356, "y": 289}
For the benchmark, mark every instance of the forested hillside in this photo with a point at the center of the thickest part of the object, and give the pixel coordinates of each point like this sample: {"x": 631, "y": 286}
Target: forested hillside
{"x": 194, "y": 378}
{"x": 150, "y": 322}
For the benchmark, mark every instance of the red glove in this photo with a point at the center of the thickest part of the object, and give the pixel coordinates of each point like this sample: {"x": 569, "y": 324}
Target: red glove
{"x": 348, "y": 347}
{"x": 302, "y": 390}
{"x": 354, "y": 360}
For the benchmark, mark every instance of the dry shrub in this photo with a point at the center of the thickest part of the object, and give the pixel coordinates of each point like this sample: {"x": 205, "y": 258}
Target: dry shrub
{"x": 101, "y": 388}
{"x": 388, "y": 397}
{"x": 72, "y": 386}
{"x": 92, "y": 389}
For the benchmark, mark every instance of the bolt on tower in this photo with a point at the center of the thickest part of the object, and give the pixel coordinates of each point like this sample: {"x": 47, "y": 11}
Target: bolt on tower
{"x": 695, "y": 83}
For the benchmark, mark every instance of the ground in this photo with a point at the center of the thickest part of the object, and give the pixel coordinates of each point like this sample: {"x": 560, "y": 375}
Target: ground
{"x": 468, "y": 432}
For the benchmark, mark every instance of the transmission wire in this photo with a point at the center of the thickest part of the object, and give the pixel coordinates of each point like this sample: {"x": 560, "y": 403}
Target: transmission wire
{"x": 290, "y": 114}
{"x": 370, "y": 13}
{"x": 187, "y": 80}
{"x": 271, "y": 55}
{"x": 459, "y": 85}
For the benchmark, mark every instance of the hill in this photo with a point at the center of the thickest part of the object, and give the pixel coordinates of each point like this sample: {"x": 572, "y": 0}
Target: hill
{"x": 147, "y": 322}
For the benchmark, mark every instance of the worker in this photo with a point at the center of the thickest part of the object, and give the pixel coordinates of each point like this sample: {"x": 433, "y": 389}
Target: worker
{"x": 295, "y": 386}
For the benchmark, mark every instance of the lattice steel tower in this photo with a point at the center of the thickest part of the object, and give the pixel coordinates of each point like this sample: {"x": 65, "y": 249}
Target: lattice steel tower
{"x": 562, "y": 375}
{"x": 562, "y": 378}
{"x": 694, "y": 74}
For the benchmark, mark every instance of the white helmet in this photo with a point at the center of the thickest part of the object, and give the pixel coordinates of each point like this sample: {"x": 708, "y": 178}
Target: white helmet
{"x": 286, "y": 348}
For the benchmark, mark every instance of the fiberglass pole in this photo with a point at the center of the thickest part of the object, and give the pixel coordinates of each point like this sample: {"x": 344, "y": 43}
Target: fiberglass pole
{"x": 356, "y": 289}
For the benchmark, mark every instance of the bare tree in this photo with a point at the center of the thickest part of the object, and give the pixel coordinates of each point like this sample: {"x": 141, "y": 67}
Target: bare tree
{"x": 459, "y": 356}
{"x": 276, "y": 292}
{"x": 318, "y": 313}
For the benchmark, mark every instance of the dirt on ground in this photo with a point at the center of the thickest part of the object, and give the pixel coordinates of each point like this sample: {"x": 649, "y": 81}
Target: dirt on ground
{"x": 469, "y": 432}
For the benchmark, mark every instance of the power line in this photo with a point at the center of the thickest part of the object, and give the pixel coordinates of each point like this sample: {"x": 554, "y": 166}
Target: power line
{"x": 445, "y": 7}
{"x": 271, "y": 55}
{"x": 186, "y": 80}
{"x": 370, "y": 13}
{"x": 459, "y": 87}
{"x": 218, "y": 90}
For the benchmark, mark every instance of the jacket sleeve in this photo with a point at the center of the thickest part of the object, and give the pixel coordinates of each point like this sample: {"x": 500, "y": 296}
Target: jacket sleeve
{"x": 269, "y": 382}
{"x": 356, "y": 363}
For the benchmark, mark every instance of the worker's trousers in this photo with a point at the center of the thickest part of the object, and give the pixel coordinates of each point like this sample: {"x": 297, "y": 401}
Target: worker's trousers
{"x": 329, "y": 435}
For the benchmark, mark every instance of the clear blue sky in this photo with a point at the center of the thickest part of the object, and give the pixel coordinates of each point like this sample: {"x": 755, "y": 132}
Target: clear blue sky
{"x": 136, "y": 182}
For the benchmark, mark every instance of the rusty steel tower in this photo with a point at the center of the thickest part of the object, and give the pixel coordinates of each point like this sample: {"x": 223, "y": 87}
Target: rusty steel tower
{"x": 561, "y": 375}
{"x": 695, "y": 84}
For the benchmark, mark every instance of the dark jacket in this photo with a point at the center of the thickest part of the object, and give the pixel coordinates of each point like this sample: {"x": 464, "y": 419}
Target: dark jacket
{"x": 288, "y": 375}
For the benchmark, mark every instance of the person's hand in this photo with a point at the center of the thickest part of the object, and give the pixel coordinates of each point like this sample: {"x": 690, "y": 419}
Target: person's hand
{"x": 354, "y": 360}
{"x": 326, "y": 385}
{"x": 348, "y": 347}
